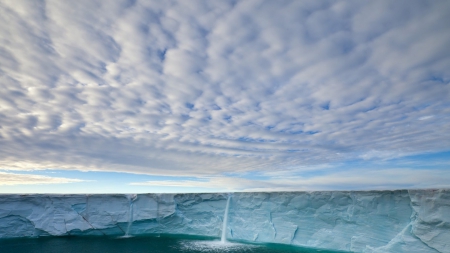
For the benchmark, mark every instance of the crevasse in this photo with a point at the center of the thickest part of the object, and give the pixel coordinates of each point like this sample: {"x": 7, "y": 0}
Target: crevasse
{"x": 356, "y": 221}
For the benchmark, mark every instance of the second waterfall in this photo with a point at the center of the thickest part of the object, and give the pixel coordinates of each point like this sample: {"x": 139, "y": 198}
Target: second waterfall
{"x": 223, "y": 239}
{"x": 131, "y": 198}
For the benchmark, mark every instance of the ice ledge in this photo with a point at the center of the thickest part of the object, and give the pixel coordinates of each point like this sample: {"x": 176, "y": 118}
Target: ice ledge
{"x": 363, "y": 221}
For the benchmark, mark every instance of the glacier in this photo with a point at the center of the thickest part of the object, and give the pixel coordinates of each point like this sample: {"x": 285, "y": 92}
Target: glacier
{"x": 352, "y": 221}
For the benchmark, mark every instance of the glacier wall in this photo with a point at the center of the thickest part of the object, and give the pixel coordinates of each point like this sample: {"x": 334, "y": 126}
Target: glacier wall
{"x": 363, "y": 221}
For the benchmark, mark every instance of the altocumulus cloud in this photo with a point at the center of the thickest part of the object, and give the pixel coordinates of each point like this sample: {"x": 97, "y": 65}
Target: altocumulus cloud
{"x": 212, "y": 88}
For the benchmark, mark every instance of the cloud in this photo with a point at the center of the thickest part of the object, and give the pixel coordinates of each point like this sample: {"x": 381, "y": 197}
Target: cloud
{"x": 205, "y": 88}
{"x": 346, "y": 180}
{"x": 29, "y": 179}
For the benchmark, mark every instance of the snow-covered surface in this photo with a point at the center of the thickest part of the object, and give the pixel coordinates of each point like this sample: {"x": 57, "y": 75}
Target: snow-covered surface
{"x": 366, "y": 221}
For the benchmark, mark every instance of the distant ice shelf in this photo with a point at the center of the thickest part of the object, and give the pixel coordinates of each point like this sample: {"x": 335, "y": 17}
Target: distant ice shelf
{"x": 355, "y": 221}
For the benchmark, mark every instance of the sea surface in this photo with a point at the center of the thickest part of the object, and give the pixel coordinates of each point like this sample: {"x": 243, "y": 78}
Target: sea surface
{"x": 162, "y": 244}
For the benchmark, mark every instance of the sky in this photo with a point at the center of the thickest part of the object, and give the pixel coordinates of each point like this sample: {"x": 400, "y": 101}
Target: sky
{"x": 218, "y": 96}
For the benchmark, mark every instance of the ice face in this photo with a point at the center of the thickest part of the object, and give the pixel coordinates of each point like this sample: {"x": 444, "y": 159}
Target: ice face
{"x": 337, "y": 220}
{"x": 431, "y": 218}
{"x": 370, "y": 221}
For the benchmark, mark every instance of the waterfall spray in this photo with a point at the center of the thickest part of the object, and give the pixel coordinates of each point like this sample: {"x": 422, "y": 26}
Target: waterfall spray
{"x": 223, "y": 239}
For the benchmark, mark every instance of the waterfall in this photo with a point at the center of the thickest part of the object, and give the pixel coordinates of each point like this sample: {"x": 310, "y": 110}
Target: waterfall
{"x": 131, "y": 198}
{"x": 223, "y": 239}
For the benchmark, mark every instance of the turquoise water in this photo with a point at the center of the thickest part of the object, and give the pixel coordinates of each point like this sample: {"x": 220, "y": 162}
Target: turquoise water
{"x": 139, "y": 245}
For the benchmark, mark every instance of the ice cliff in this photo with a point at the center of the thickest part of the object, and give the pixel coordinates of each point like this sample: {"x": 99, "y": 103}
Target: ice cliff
{"x": 364, "y": 221}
